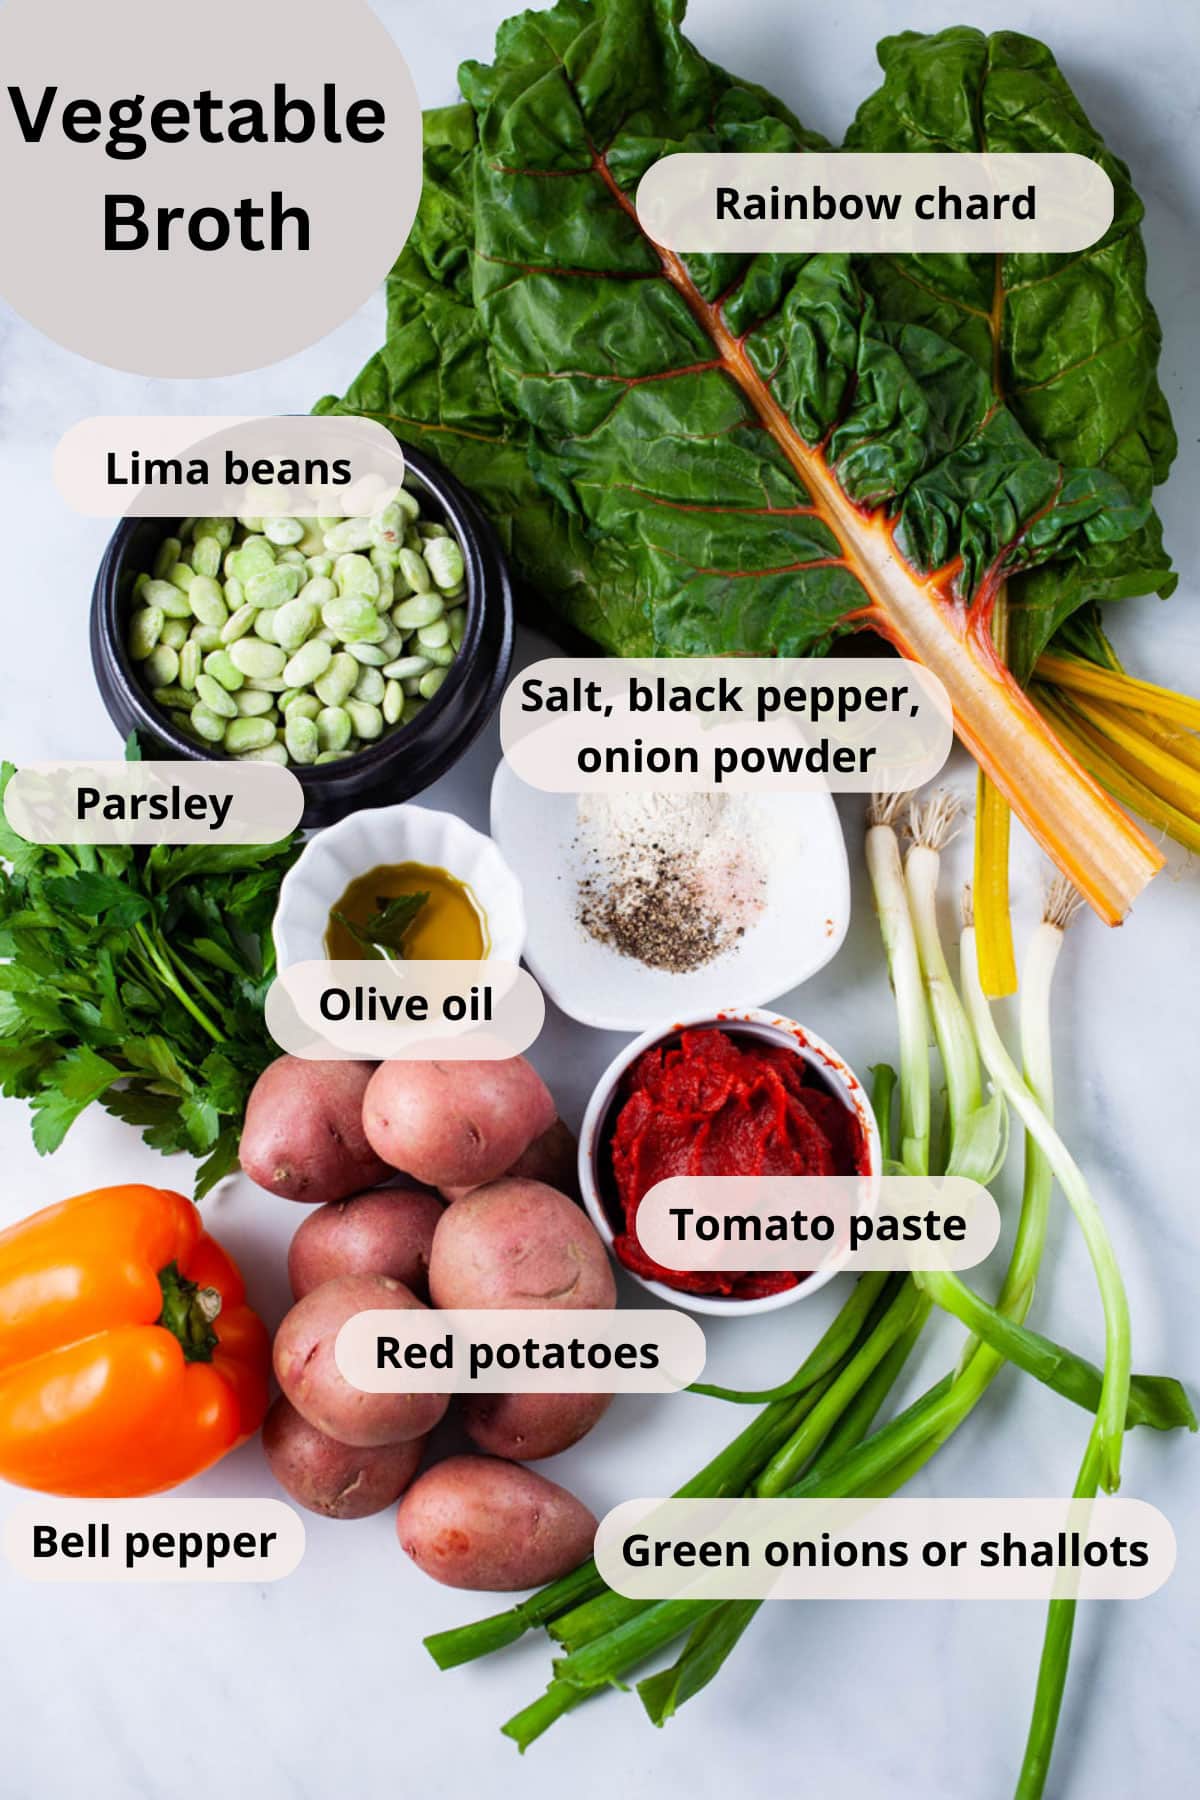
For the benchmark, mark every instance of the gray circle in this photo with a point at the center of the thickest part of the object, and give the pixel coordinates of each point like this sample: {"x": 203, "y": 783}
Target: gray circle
{"x": 186, "y": 309}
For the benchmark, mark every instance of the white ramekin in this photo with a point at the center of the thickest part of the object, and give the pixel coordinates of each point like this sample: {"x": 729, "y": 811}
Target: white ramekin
{"x": 742, "y": 1022}
{"x": 365, "y": 840}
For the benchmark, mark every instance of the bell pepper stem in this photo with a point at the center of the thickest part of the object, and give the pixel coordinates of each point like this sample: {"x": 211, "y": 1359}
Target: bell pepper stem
{"x": 188, "y": 1313}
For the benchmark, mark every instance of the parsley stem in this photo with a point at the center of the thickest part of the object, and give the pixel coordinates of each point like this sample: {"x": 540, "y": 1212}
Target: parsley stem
{"x": 189, "y": 974}
{"x": 167, "y": 977}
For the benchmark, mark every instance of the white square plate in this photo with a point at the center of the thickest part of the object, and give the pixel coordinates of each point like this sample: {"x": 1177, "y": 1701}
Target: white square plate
{"x": 802, "y": 924}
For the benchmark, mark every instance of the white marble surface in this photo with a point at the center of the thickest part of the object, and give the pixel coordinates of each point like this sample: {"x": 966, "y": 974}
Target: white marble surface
{"x": 319, "y": 1685}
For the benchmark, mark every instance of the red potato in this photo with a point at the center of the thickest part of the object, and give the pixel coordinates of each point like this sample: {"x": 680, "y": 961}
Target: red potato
{"x": 477, "y": 1522}
{"x": 386, "y": 1231}
{"x": 309, "y": 1376}
{"x": 552, "y": 1158}
{"x": 458, "y": 1123}
{"x": 303, "y": 1134}
{"x": 518, "y": 1243}
{"x": 527, "y": 1427}
{"x": 335, "y": 1480}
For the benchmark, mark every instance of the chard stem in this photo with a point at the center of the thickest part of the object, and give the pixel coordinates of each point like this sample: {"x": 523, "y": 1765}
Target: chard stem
{"x": 1159, "y": 766}
{"x": 1093, "y": 750}
{"x": 993, "y": 917}
{"x": 1080, "y": 677}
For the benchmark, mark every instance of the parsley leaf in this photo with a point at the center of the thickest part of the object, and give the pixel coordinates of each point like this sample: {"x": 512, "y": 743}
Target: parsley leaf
{"x": 136, "y": 978}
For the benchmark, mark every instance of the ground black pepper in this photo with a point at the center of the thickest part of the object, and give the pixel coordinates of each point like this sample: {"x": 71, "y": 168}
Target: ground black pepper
{"x": 661, "y": 904}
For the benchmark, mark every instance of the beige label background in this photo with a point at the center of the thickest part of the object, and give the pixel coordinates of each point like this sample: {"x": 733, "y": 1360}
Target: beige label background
{"x": 199, "y": 1528}
{"x": 81, "y": 466}
{"x": 840, "y": 1199}
{"x": 1072, "y": 201}
{"x": 911, "y": 744}
{"x": 265, "y": 802}
{"x": 677, "y": 1337}
{"x": 295, "y": 1019}
{"x": 909, "y": 1522}
{"x": 188, "y": 312}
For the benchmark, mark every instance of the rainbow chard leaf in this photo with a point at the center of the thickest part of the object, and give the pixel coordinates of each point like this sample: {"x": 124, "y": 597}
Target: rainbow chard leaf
{"x": 1069, "y": 343}
{"x": 714, "y": 453}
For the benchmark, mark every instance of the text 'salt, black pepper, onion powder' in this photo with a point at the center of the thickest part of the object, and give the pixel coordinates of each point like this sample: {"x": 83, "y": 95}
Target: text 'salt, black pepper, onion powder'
{"x": 671, "y": 880}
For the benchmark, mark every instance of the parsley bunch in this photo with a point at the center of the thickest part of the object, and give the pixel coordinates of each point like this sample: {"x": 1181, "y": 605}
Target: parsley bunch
{"x": 136, "y": 977}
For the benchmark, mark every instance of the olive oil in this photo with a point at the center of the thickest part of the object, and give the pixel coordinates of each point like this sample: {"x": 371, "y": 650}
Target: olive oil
{"x": 449, "y": 927}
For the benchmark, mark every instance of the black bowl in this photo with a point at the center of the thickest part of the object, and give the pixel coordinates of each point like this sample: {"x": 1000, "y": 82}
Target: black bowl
{"x": 403, "y": 761}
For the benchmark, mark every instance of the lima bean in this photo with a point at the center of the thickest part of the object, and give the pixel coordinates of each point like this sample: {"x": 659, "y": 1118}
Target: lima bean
{"x": 215, "y": 697}
{"x": 444, "y": 560}
{"x": 248, "y": 734}
{"x": 161, "y": 667}
{"x": 254, "y": 657}
{"x": 369, "y": 686}
{"x": 420, "y": 611}
{"x": 292, "y": 640}
{"x": 333, "y": 728}
{"x": 206, "y": 556}
{"x": 181, "y": 575}
{"x": 206, "y": 723}
{"x": 255, "y": 557}
{"x": 168, "y": 556}
{"x": 176, "y": 698}
{"x": 207, "y": 601}
{"x": 355, "y": 575}
{"x": 238, "y": 623}
{"x": 371, "y": 655}
{"x": 169, "y": 599}
{"x": 404, "y": 666}
{"x": 295, "y": 621}
{"x": 271, "y": 587}
{"x": 300, "y": 736}
{"x": 309, "y": 662}
{"x": 189, "y": 664}
{"x": 221, "y": 666}
{"x": 145, "y": 629}
{"x": 270, "y": 753}
{"x": 351, "y": 618}
{"x": 415, "y": 571}
{"x": 253, "y": 703}
{"x": 337, "y": 683}
{"x": 366, "y": 720}
{"x": 221, "y": 529}
{"x": 348, "y": 534}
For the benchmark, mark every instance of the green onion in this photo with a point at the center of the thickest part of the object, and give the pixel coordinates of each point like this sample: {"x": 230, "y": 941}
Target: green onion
{"x": 895, "y": 924}
{"x": 978, "y": 1129}
{"x": 1114, "y": 1396}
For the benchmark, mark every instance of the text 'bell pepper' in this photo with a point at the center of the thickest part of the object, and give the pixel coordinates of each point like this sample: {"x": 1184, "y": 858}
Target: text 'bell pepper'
{"x": 129, "y": 1360}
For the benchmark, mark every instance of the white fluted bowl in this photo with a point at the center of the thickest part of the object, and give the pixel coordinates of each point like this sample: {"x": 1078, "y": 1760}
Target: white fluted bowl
{"x": 382, "y": 835}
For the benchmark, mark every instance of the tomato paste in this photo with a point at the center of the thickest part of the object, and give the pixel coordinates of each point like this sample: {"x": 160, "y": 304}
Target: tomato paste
{"x": 714, "y": 1104}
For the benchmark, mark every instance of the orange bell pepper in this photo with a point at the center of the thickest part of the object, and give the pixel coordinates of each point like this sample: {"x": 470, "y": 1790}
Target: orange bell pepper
{"x": 129, "y": 1360}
